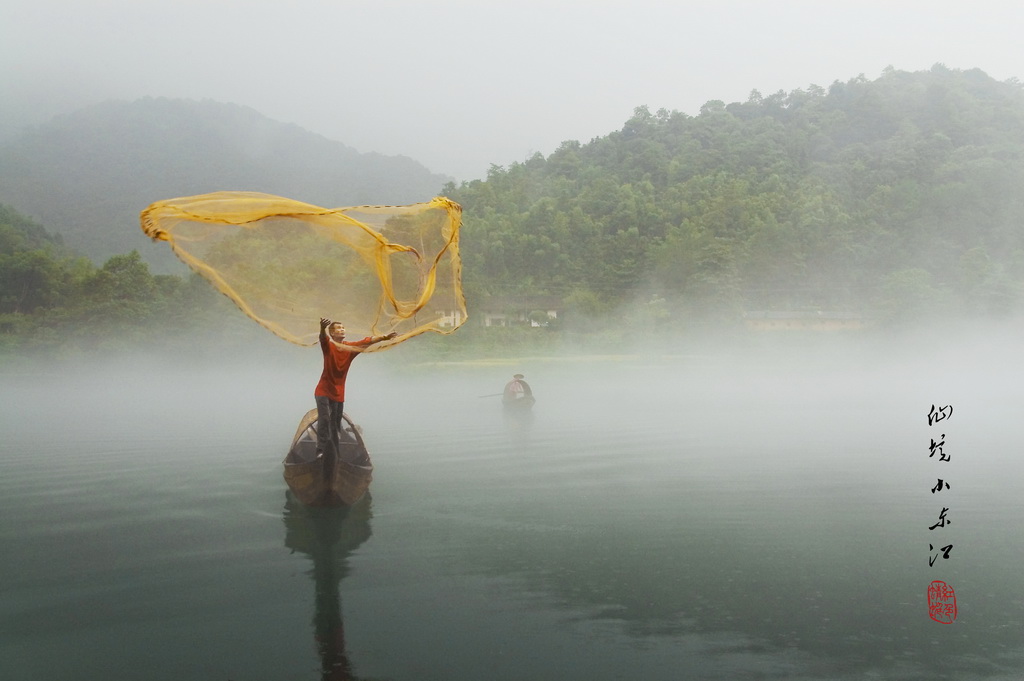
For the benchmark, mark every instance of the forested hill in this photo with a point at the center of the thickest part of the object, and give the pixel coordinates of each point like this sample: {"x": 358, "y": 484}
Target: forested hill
{"x": 886, "y": 197}
{"x": 87, "y": 175}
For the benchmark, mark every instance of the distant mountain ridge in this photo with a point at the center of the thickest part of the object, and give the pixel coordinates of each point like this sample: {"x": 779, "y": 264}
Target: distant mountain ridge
{"x": 86, "y": 175}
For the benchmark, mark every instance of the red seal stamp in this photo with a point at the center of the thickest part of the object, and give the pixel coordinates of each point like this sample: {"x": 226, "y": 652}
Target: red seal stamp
{"x": 941, "y": 602}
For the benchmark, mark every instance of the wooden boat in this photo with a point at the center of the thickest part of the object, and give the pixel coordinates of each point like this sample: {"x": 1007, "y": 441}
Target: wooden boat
{"x": 327, "y": 480}
{"x": 523, "y": 403}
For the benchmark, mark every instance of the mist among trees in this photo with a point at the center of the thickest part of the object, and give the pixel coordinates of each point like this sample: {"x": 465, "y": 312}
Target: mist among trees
{"x": 896, "y": 200}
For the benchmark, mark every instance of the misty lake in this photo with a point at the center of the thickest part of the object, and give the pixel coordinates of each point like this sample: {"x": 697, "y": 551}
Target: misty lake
{"x": 759, "y": 515}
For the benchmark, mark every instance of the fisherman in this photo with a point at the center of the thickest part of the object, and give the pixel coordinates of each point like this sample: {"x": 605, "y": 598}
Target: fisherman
{"x": 330, "y": 391}
{"x": 517, "y": 391}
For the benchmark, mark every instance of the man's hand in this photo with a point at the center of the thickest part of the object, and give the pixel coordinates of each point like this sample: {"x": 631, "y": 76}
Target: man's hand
{"x": 324, "y": 323}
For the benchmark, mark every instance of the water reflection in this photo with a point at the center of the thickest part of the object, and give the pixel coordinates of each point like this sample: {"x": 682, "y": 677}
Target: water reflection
{"x": 328, "y": 536}
{"x": 518, "y": 421}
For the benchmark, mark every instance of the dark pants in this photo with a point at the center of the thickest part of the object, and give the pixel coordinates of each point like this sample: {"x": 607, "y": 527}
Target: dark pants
{"x": 328, "y": 424}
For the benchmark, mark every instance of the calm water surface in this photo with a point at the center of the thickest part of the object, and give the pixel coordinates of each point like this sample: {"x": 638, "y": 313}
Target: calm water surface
{"x": 671, "y": 518}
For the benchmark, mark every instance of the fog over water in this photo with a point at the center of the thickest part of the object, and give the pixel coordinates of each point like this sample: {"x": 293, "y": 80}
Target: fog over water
{"x": 770, "y": 507}
{"x": 757, "y": 512}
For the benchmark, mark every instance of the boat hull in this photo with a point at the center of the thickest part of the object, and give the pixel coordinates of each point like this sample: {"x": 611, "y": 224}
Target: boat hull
{"x": 327, "y": 480}
{"x": 522, "y": 404}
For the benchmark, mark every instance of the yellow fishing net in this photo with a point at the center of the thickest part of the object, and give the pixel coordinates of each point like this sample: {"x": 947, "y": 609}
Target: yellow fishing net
{"x": 375, "y": 269}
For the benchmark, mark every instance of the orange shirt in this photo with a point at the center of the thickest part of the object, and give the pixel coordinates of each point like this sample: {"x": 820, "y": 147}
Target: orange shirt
{"x": 337, "y": 359}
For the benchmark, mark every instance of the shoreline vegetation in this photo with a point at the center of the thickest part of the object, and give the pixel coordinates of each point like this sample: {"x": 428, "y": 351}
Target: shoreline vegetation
{"x": 75, "y": 312}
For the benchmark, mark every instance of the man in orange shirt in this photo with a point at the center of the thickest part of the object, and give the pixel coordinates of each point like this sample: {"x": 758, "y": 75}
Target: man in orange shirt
{"x": 330, "y": 391}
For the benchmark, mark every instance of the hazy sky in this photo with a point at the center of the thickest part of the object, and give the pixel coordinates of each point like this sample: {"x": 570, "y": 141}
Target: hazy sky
{"x": 460, "y": 85}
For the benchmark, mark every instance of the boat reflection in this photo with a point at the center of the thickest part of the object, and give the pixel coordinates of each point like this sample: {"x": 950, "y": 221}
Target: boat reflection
{"x": 518, "y": 421}
{"x": 328, "y": 536}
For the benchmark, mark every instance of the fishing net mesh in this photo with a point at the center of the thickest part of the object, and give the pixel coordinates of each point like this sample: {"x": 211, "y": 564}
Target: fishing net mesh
{"x": 285, "y": 263}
